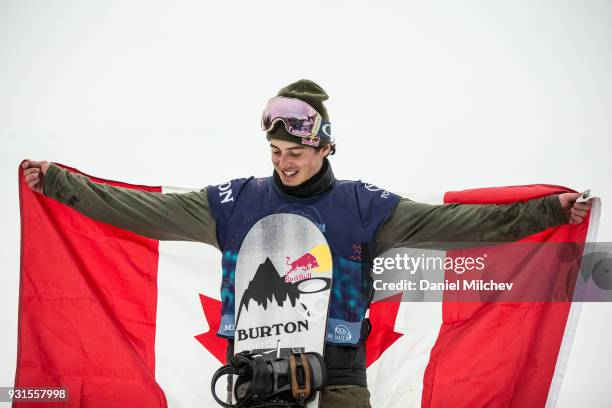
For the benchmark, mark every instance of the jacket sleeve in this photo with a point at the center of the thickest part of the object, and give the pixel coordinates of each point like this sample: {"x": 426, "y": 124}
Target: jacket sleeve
{"x": 172, "y": 217}
{"x": 425, "y": 225}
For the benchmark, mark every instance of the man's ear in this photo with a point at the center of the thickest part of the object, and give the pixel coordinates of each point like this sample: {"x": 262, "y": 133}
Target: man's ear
{"x": 326, "y": 150}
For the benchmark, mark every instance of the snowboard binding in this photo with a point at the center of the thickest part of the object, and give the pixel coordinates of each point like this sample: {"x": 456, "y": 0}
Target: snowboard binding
{"x": 267, "y": 380}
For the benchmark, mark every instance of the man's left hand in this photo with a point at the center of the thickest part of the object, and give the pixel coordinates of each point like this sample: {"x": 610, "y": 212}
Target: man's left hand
{"x": 576, "y": 212}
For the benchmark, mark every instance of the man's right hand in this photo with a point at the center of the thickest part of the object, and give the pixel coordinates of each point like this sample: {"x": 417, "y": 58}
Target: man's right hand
{"x": 34, "y": 174}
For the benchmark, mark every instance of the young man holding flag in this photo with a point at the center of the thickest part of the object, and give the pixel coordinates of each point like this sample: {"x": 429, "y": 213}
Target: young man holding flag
{"x": 349, "y": 213}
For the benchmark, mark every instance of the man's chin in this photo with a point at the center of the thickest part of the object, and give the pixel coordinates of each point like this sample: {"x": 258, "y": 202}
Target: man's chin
{"x": 290, "y": 183}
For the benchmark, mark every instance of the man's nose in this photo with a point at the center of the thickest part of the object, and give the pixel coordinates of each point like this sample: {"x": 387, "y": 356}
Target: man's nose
{"x": 285, "y": 161}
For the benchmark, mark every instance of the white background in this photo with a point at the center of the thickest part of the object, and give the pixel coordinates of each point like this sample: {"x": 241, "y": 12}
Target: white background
{"x": 424, "y": 97}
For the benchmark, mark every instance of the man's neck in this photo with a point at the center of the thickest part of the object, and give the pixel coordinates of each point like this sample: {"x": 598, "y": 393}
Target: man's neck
{"x": 322, "y": 181}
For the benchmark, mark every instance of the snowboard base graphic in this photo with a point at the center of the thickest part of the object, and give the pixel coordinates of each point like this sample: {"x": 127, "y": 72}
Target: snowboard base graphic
{"x": 282, "y": 287}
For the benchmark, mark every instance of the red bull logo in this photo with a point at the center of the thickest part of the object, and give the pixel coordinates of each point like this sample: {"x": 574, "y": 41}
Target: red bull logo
{"x": 305, "y": 262}
{"x": 302, "y": 264}
{"x": 311, "y": 142}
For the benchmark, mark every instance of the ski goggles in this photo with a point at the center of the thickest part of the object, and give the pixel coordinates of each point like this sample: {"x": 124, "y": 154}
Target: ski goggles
{"x": 300, "y": 119}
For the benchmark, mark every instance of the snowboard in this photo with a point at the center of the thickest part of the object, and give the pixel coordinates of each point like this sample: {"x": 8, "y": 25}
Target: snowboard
{"x": 282, "y": 287}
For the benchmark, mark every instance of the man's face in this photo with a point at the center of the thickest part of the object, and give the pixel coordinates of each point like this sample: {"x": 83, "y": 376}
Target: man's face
{"x": 295, "y": 163}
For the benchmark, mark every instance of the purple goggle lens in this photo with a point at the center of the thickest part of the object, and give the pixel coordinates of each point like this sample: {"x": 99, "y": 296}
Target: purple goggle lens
{"x": 300, "y": 119}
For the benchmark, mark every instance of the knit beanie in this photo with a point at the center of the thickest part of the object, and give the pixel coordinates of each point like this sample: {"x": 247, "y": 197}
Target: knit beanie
{"x": 309, "y": 92}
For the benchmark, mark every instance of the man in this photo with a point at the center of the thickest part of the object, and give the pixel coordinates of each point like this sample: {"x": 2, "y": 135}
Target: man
{"x": 348, "y": 213}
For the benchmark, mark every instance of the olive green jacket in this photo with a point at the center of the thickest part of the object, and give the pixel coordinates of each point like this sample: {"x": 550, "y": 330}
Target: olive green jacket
{"x": 187, "y": 216}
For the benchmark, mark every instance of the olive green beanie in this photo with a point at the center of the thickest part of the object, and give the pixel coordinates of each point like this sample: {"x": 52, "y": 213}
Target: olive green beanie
{"x": 309, "y": 92}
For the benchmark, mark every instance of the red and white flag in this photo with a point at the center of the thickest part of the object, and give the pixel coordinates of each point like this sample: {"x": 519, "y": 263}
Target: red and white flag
{"x": 121, "y": 320}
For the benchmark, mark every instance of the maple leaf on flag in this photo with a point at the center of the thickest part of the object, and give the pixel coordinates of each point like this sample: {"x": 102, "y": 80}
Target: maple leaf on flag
{"x": 214, "y": 344}
{"x": 383, "y": 314}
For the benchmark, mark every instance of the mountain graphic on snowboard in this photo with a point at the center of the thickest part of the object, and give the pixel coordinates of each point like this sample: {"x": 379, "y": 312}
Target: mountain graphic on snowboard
{"x": 267, "y": 286}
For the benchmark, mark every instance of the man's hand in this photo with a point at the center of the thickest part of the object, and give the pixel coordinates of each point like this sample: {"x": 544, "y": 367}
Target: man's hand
{"x": 575, "y": 211}
{"x": 34, "y": 174}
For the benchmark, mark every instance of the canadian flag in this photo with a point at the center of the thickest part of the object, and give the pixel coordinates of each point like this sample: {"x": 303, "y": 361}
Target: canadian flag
{"x": 118, "y": 320}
